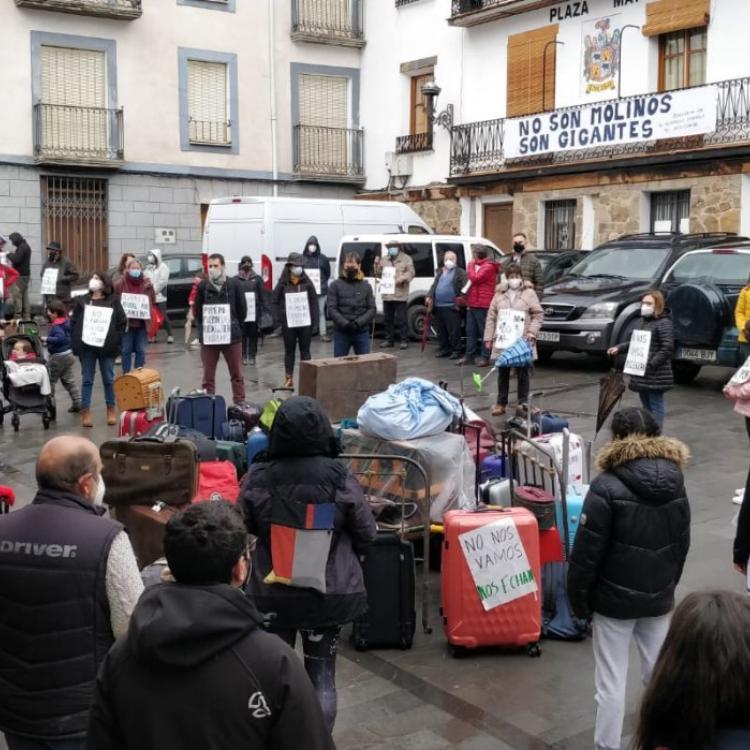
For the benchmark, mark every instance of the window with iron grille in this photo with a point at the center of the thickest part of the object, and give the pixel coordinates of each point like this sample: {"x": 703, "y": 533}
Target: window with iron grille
{"x": 208, "y": 103}
{"x": 560, "y": 225}
{"x": 669, "y": 209}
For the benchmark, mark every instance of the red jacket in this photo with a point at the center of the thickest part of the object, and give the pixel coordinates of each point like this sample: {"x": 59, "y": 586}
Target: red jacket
{"x": 9, "y": 275}
{"x": 483, "y": 277}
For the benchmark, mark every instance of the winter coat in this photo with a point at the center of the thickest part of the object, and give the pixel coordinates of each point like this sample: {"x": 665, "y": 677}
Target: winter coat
{"x": 67, "y": 275}
{"x": 351, "y": 304}
{"x": 301, "y": 464}
{"x": 742, "y": 535}
{"x": 318, "y": 260}
{"x": 634, "y": 531}
{"x": 286, "y": 286}
{"x": 531, "y": 269}
{"x": 404, "y": 266}
{"x": 254, "y": 284}
{"x": 525, "y": 300}
{"x": 9, "y": 275}
{"x": 118, "y": 324}
{"x": 126, "y": 285}
{"x": 59, "y": 336}
{"x": 230, "y": 293}
{"x": 459, "y": 282}
{"x": 742, "y": 313}
{"x": 197, "y": 671}
{"x": 20, "y": 258}
{"x": 659, "y": 376}
{"x": 158, "y": 275}
{"x": 483, "y": 277}
{"x": 740, "y": 394}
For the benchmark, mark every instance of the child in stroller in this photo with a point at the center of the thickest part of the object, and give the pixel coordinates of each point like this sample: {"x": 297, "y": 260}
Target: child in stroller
{"x": 25, "y": 379}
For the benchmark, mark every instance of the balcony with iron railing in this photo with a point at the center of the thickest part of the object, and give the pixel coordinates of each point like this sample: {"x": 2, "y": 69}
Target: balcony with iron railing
{"x": 328, "y": 22}
{"x": 474, "y": 12}
{"x": 209, "y": 132}
{"x": 414, "y": 143}
{"x": 84, "y": 136}
{"x": 329, "y": 154}
{"x": 477, "y": 148}
{"x": 124, "y": 9}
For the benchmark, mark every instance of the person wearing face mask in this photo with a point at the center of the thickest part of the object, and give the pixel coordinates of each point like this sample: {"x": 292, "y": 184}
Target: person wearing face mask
{"x": 394, "y": 305}
{"x": 63, "y": 270}
{"x": 250, "y": 283}
{"x": 223, "y": 300}
{"x": 65, "y": 551}
{"x": 515, "y": 312}
{"x": 529, "y": 264}
{"x": 658, "y": 377}
{"x": 101, "y": 295}
{"x": 157, "y": 272}
{"x": 152, "y": 686}
{"x": 132, "y": 287}
{"x": 318, "y": 263}
{"x": 351, "y": 305}
{"x": 297, "y": 330}
{"x": 441, "y": 300}
{"x": 482, "y": 275}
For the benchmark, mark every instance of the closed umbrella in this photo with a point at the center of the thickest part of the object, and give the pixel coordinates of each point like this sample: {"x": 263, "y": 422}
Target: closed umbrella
{"x": 426, "y": 328}
{"x": 611, "y": 388}
{"x": 518, "y": 354}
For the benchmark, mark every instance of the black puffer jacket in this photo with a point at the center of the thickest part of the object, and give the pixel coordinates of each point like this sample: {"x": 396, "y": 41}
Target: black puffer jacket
{"x": 635, "y": 531}
{"x": 301, "y": 466}
{"x": 117, "y": 325}
{"x": 659, "y": 376}
{"x": 351, "y": 302}
{"x": 231, "y": 293}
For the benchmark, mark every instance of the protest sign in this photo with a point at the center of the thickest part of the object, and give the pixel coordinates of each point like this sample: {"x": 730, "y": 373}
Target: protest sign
{"x": 297, "y": 310}
{"x": 95, "y": 325}
{"x": 637, "y": 361}
{"x": 314, "y": 276}
{"x": 217, "y": 325}
{"x": 741, "y": 376}
{"x": 136, "y": 306}
{"x": 49, "y": 281}
{"x": 388, "y": 280}
{"x": 250, "y": 303}
{"x": 510, "y": 325}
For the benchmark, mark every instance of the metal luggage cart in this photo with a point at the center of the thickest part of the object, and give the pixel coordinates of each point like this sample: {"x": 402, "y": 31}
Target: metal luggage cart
{"x": 384, "y": 480}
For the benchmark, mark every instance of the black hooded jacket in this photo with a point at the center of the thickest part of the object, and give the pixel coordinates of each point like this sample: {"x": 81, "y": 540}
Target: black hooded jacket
{"x": 634, "y": 532}
{"x": 317, "y": 259}
{"x": 197, "y": 672}
{"x": 301, "y": 463}
{"x": 20, "y": 258}
{"x": 659, "y": 376}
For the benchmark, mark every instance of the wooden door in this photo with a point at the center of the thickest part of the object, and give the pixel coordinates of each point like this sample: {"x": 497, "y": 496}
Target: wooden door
{"x": 498, "y": 225}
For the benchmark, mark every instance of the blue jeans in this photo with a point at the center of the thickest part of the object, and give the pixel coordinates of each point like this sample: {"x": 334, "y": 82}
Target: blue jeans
{"x": 476, "y": 319}
{"x": 89, "y": 356}
{"x": 653, "y": 401}
{"x": 21, "y": 743}
{"x": 133, "y": 340}
{"x": 343, "y": 341}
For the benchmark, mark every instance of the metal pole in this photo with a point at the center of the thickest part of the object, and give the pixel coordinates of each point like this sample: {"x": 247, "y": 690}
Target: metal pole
{"x": 544, "y": 71}
{"x": 619, "y": 57}
{"x": 272, "y": 94}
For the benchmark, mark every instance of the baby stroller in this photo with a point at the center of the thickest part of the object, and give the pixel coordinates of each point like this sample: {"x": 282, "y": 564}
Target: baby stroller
{"x": 25, "y": 399}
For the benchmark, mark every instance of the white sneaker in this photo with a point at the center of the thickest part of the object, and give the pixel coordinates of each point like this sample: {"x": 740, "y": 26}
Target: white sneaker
{"x": 170, "y": 339}
{"x": 739, "y": 496}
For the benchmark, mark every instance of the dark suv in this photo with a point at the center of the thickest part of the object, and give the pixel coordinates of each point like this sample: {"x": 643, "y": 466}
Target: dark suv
{"x": 595, "y": 305}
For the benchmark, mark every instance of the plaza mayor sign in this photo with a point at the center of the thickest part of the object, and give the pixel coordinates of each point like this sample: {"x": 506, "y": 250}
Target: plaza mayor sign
{"x": 649, "y": 117}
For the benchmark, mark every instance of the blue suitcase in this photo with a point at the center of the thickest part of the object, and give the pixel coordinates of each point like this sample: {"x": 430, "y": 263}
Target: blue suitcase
{"x": 574, "y": 500}
{"x": 494, "y": 467}
{"x": 199, "y": 411}
{"x": 257, "y": 441}
{"x": 549, "y": 423}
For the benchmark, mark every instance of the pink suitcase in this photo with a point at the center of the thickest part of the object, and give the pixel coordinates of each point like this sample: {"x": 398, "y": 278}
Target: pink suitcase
{"x": 135, "y": 422}
{"x": 503, "y": 546}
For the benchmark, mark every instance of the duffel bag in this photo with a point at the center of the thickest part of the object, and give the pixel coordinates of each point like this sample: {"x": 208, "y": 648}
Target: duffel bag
{"x": 234, "y": 430}
{"x": 246, "y": 412}
{"x": 217, "y": 481}
{"x": 146, "y": 470}
{"x": 139, "y": 389}
{"x": 206, "y": 448}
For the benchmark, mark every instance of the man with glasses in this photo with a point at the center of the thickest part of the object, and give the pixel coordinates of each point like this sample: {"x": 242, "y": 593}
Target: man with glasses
{"x": 197, "y": 669}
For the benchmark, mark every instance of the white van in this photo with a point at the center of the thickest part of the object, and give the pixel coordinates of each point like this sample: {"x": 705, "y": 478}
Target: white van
{"x": 268, "y": 229}
{"x": 427, "y": 254}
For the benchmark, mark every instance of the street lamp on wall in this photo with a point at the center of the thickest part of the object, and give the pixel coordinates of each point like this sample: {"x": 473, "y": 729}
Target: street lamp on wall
{"x": 619, "y": 57}
{"x": 431, "y": 91}
{"x": 544, "y": 71}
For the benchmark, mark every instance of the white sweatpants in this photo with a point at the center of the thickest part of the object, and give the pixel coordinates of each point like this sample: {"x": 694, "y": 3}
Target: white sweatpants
{"x": 611, "y": 649}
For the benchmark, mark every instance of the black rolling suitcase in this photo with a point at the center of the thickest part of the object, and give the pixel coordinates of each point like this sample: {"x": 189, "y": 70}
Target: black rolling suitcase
{"x": 389, "y": 570}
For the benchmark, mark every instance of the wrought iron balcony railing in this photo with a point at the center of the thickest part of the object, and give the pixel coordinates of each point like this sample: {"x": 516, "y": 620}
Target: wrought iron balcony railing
{"x": 328, "y": 21}
{"x": 335, "y": 154}
{"x": 404, "y": 2}
{"x": 409, "y": 144}
{"x": 477, "y": 147}
{"x": 210, "y": 132}
{"x": 472, "y": 12}
{"x": 125, "y": 9}
{"x": 78, "y": 135}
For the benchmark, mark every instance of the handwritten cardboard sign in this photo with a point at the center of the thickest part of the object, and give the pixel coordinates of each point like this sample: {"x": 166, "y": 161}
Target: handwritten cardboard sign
{"x": 637, "y": 361}
{"x": 250, "y": 303}
{"x": 498, "y": 563}
{"x": 217, "y": 325}
{"x": 297, "y": 310}
{"x": 741, "y": 376}
{"x": 314, "y": 276}
{"x": 388, "y": 280}
{"x": 95, "y": 325}
{"x": 49, "y": 281}
{"x": 136, "y": 306}
{"x": 510, "y": 325}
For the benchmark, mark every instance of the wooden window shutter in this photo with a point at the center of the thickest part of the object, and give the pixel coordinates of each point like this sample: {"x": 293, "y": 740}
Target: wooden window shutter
{"x": 664, "y": 16}
{"x": 73, "y": 77}
{"x": 207, "y": 102}
{"x": 323, "y": 101}
{"x": 526, "y": 79}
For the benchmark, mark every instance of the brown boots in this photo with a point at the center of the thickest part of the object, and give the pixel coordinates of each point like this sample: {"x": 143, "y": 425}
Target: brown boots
{"x": 86, "y": 418}
{"x": 289, "y": 381}
{"x": 111, "y": 415}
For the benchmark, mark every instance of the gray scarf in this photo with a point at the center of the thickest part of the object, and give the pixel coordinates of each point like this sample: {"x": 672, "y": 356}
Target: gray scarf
{"x": 218, "y": 283}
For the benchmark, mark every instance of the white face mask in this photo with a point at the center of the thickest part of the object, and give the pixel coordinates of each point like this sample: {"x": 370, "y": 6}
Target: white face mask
{"x": 450, "y": 264}
{"x": 96, "y": 285}
{"x": 647, "y": 311}
{"x": 311, "y": 248}
{"x": 101, "y": 490}
{"x": 514, "y": 283}
{"x": 297, "y": 270}
{"x": 215, "y": 273}
{"x": 152, "y": 260}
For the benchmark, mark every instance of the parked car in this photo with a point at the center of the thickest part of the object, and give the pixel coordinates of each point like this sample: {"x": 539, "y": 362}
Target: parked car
{"x": 595, "y": 305}
{"x": 427, "y": 254}
{"x": 556, "y": 263}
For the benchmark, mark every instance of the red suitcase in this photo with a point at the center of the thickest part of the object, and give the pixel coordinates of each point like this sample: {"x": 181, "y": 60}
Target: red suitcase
{"x": 135, "y": 422}
{"x": 498, "y": 600}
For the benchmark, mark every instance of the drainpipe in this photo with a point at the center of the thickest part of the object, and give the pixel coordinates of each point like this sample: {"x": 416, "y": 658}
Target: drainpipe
{"x": 272, "y": 93}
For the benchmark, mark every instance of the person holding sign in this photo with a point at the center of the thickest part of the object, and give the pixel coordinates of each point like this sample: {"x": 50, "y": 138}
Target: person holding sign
{"x": 514, "y": 313}
{"x": 58, "y": 275}
{"x": 98, "y": 323}
{"x": 137, "y": 300}
{"x": 220, "y": 310}
{"x": 318, "y": 269}
{"x": 296, "y": 305}
{"x": 628, "y": 557}
{"x": 395, "y": 271}
{"x": 252, "y": 287}
{"x": 351, "y": 303}
{"x": 649, "y": 354}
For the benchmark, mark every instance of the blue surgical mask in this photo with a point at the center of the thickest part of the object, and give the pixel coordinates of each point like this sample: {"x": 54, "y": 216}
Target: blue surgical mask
{"x": 296, "y": 270}
{"x": 393, "y": 251}
{"x": 135, "y": 273}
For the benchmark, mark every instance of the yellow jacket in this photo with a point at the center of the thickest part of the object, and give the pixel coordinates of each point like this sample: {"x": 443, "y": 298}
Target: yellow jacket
{"x": 742, "y": 313}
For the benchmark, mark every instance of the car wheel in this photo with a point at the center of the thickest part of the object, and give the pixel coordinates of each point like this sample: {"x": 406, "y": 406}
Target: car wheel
{"x": 685, "y": 372}
{"x": 415, "y": 317}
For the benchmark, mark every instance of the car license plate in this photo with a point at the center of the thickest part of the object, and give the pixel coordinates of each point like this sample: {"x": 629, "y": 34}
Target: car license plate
{"x": 700, "y": 355}
{"x": 552, "y": 337}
